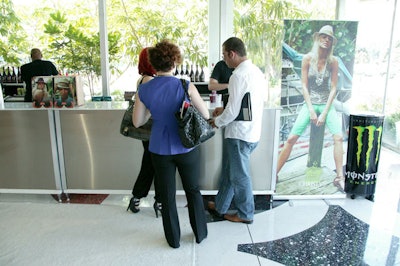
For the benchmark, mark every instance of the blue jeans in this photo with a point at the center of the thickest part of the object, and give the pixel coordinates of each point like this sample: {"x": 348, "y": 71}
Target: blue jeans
{"x": 235, "y": 183}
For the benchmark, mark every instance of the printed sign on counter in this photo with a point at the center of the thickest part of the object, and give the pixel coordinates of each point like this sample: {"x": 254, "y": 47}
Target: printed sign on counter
{"x": 57, "y": 91}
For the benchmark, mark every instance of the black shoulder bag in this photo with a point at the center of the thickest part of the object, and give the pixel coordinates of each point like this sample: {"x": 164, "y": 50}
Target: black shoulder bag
{"x": 127, "y": 128}
{"x": 193, "y": 128}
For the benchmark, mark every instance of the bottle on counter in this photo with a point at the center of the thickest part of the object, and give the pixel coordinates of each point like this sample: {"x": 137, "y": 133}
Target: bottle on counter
{"x": 8, "y": 75}
{"x": 187, "y": 73}
{"x": 13, "y": 75}
{"x": 19, "y": 76}
{"x": 4, "y": 76}
{"x": 191, "y": 74}
{"x": 202, "y": 76}
{"x": 176, "y": 73}
{"x": 213, "y": 96}
{"x": 197, "y": 74}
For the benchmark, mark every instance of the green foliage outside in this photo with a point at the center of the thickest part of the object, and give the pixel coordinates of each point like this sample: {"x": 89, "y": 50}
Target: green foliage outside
{"x": 76, "y": 49}
{"x": 12, "y": 36}
{"x": 145, "y": 22}
{"x": 260, "y": 25}
{"x": 392, "y": 119}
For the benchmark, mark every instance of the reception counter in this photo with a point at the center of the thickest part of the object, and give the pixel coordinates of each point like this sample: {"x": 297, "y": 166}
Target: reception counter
{"x": 80, "y": 150}
{"x": 28, "y": 154}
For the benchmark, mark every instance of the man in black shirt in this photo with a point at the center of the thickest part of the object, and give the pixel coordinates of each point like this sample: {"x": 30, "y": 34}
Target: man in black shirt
{"x": 37, "y": 67}
{"x": 220, "y": 78}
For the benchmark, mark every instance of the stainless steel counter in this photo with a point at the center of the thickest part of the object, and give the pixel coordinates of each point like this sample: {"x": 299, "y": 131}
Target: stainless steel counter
{"x": 28, "y": 158}
{"x": 93, "y": 157}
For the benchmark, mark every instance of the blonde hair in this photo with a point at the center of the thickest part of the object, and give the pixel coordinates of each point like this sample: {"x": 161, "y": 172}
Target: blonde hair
{"x": 315, "y": 55}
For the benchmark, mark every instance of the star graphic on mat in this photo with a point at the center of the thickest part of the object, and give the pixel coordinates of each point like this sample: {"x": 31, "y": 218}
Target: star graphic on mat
{"x": 338, "y": 239}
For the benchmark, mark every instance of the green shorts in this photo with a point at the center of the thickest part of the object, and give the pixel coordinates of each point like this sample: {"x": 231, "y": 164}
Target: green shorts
{"x": 303, "y": 120}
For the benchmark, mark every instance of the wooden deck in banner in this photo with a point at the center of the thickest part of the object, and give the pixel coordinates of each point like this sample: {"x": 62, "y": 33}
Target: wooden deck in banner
{"x": 307, "y": 181}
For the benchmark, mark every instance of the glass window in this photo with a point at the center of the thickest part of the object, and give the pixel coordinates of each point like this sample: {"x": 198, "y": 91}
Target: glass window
{"x": 144, "y": 23}
{"x": 376, "y": 68}
{"x": 376, "y": 62}
{"x": 260, "y": 25}
{"x": 68, "y": 35}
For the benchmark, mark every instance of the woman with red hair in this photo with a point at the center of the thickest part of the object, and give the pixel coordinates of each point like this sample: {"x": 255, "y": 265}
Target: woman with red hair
{"x": 146, "y": 174}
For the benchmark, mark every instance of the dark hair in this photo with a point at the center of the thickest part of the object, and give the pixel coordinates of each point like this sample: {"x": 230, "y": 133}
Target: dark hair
{"x": 164, "y": 55}
{"x": 144, "y": 66}
{"x": 235, "y": 44}
{"x": 36, "y": 53}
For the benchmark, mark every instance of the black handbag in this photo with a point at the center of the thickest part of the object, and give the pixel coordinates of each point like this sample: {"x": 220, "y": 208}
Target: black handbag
{"x": 127, "y": 128}
{"x": 193, "y": 128}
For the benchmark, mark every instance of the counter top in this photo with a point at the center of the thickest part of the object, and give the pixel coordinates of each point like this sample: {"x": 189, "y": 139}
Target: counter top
{"x": 120, "y": 105}
{"x": 113, "y": 105}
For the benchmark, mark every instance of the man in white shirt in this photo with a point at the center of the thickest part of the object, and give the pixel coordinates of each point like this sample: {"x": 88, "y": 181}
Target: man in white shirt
{"x": 241, "y": 137}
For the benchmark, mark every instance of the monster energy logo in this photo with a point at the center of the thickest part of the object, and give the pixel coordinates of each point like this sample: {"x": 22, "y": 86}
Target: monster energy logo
{"x": 371, "y": 131}
{"x": 371, "y": 134}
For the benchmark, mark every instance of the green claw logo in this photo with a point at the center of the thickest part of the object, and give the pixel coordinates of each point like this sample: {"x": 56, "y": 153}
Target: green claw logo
{"x": 371, "y": 134}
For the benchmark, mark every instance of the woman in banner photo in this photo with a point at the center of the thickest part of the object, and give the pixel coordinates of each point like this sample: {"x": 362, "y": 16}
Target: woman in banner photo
{"x": 146, "y": 175}
{"x": 161, "y": 98}
{"x": 319, "y": 79}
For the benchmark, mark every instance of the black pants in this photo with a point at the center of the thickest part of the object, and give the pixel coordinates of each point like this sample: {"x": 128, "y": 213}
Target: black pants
{"x": 188, "y": 165}
{"x": 146, "y": 175}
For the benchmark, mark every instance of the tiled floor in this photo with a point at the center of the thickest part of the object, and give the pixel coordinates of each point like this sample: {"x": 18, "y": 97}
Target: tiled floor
{"x": 295, "y": 232}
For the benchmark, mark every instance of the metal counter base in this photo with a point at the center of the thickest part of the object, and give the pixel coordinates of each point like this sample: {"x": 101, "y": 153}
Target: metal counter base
{"x": 97, "y": 157}
{"x": 28, "y": 155}
{"x": 80, "y": 150}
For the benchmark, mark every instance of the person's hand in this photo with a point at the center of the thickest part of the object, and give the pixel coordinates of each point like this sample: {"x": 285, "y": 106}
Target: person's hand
{"x": 313, "y": 117}
{"x": 218, "y": 111}
{"x": 321, "y": 120}
{"x": 211, "y": 121}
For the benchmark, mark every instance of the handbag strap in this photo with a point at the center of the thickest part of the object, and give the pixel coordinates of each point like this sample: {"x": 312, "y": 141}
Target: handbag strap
{"x": 185, "y": 89}
{"x": 141, "y": 80}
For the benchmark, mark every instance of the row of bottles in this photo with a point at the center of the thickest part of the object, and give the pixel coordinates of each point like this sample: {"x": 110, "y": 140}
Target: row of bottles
{"x": 10, "y": 75}
{"x": 194, "y": 73}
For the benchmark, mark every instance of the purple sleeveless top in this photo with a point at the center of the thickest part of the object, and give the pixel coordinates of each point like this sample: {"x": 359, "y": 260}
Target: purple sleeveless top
{"x": 163, "y": 97}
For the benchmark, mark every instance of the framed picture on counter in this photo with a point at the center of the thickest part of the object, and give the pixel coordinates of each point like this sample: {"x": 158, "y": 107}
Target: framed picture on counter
{"x": 42, "y": 89}
{"x": 57, "y": 91}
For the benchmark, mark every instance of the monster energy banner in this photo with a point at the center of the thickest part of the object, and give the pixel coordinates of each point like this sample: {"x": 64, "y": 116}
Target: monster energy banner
{"x": 364, "y": 146}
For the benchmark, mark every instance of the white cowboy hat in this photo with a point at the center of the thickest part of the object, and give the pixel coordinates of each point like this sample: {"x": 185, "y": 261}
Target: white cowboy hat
{"x": 327, "y": 30}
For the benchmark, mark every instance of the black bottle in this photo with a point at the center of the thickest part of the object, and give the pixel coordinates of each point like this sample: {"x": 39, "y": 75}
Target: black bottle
{"x": 19, "y": 77}
{"x": 4, "y": 76}
{"x": 8, "y": 75}
{"x": 191, "y": 75}
{"x": 13, "y": 75}
{"x": 197, "y": 74}
{"x": 202, "y": 77}
{"x": 187, "y": 74}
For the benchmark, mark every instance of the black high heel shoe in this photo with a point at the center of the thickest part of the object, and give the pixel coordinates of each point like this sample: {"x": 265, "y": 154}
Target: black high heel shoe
{"x": 134, "y": 205}
{"x": 157, "y": 208}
